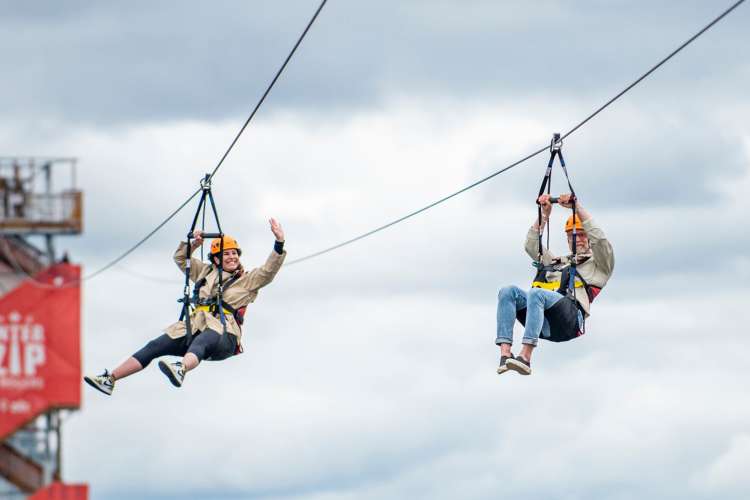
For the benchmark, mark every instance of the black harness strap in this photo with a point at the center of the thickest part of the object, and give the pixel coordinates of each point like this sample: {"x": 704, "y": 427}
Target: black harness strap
{"x": 186, "y": 302}
{"x": 570, "y": 272}
{"x": 574, "y": 260}
{"x": 567, "y": 282}
{"x": 220, "y": 268}
{"x": 238, "y": 313}
{"x": 546, "y": 183}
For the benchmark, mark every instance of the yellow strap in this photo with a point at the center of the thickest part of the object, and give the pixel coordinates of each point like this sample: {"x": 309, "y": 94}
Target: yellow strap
{"x": 208, "y": 309}
{"x": 555, "y": 285}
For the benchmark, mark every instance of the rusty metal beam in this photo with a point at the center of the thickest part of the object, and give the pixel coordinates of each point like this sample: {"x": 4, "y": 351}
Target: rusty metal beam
{"x": 24, "y": 473}
{"x": 19, "y": 258}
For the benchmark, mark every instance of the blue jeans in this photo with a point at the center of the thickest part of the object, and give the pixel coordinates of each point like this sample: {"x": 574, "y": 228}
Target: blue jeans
{"x": 512, "y": 299}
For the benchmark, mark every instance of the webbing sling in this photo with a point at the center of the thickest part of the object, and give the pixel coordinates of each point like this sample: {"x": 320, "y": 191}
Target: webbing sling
{"x": 555, "y": 149}
{"x": 546, "y": 183}
{"x": 185, "y": 314}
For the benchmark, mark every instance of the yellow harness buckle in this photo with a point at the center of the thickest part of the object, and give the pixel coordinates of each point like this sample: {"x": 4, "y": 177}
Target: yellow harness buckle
{"x": 208, "y": 310}
{"x": 553, "y": 286}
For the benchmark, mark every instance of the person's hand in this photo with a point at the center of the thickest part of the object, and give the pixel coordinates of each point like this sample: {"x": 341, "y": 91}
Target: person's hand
{"x": 276, "y": 229}
{"x": 546, "y": 205}
{"x": 198, "y": 237}
{"x": 566, "y": 200}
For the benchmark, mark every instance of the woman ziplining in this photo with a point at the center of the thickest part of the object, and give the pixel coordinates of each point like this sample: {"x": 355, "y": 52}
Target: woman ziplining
{"x": 210, "y": 326}
{"x": 559, "y": 301}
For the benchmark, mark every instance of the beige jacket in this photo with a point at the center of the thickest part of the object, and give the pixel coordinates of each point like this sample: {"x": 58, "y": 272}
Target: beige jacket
{"x": 240, "y": 293}
{"x": 596, "y": 271}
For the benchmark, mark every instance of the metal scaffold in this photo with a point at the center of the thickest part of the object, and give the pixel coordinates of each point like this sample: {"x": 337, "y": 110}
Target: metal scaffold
{"x": 39, "y": 201}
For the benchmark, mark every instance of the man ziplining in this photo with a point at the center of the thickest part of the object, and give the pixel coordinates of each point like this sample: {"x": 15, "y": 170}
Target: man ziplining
{"x": 557, "y": 305}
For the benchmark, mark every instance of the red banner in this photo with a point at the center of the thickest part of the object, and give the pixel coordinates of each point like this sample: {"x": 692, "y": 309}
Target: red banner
{"x": 60, "y": 491}
{"x": 40, "y": 353}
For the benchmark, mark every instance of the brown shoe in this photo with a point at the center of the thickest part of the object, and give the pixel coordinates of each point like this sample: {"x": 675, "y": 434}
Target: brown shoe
{"x": 504, "y": 364}
{"x": 520, "y": 365}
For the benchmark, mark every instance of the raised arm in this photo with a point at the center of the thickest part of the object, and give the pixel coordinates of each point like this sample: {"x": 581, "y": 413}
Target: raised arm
{"x": 565, "y": 200}
{"x": 261, "y": 276}
{"x": 601, "y": 248}
{"x": 180, "y": 256}
{"x": 532, "y": 237}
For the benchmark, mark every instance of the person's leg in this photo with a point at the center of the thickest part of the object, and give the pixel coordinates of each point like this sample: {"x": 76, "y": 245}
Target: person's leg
{"x": 162, "y": 345}
{"x": 202, "y": 348}
{"x": 207, "y": 344}
{"x": 200, "y": 345}
{"x": 538, "y": 301}
{"x": 210, "y": 345}
{"x": 510, "y": 299}
{"x": 526, "y": 350}
{"x": 127, "y": 368}
{"x": 225, "y": 348}
{"x": 564, "y": 320}
{"x": 190, "y": 361}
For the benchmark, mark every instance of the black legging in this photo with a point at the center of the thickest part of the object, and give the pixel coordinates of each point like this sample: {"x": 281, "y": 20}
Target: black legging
{"x": 207, "y": 344}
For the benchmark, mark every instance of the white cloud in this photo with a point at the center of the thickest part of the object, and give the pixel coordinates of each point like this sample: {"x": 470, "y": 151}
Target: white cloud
{"x": 727, "y": 474}
{"x": 369, "y": 372}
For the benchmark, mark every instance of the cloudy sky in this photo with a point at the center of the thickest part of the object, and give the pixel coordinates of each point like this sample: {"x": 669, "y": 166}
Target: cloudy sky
{"x": 369, "y": 373}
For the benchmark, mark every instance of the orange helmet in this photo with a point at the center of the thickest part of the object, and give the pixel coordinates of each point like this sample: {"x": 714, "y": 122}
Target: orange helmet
{"x": 569, "y": 224}
{"x": 229, "y": 242}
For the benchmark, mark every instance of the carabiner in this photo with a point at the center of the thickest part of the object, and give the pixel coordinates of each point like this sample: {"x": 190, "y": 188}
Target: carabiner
{"x": 556, "y": 143}
{"x": 206, "y": 183}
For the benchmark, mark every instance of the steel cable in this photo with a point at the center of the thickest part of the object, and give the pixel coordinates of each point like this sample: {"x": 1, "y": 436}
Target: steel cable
{"x": 433, "y": 204}
{"x": 221, "y": 161}
{"x": 566, "y": 134}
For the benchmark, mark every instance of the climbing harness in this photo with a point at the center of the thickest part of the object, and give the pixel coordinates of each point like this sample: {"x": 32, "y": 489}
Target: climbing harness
{"x": 211, "y": 304}
{"x": 216, "y": 305}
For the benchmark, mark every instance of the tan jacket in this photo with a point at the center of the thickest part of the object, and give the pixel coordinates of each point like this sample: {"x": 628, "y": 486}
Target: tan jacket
{"x": 240, "y": 293}
{"x": 596, "y": 271}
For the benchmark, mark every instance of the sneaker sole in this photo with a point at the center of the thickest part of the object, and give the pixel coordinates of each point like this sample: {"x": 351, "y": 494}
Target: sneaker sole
{"x": 95, "y": 385}
{"x": 512, "y": 364}
{"x": 503, "y": 369}
{"x": 164, "y": 367}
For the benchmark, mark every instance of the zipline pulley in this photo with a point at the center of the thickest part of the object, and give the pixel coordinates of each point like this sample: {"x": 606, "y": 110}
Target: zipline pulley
{"x": 556, "y": 143}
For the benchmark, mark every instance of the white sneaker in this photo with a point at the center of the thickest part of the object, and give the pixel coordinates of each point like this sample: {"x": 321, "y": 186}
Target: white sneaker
{"x": 175, "y": 372}
{"x": 104, "y": 382}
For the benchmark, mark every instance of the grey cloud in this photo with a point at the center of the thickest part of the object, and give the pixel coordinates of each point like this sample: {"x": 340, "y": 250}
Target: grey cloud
{"x": 461, "y": 249}
{"x": 403, "y": 375}
{"x": 103, "y": 63}
{"x": 369, "y": 373}
{"x": 632, "y": 158}
{"x": 439, "y": 256}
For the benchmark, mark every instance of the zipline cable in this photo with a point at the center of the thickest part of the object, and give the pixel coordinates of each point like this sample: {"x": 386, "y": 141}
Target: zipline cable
{"x": 143, "y": 240}
{"x": 223, "y": 157}
{"x": 569, "y": 132}
{"x": 416, "y": 212}
{"x": 656, "y": 66}
{"x": 433, "y": 204}
{"x": 273, "y": 82}
{"x": 145, "y": 277}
